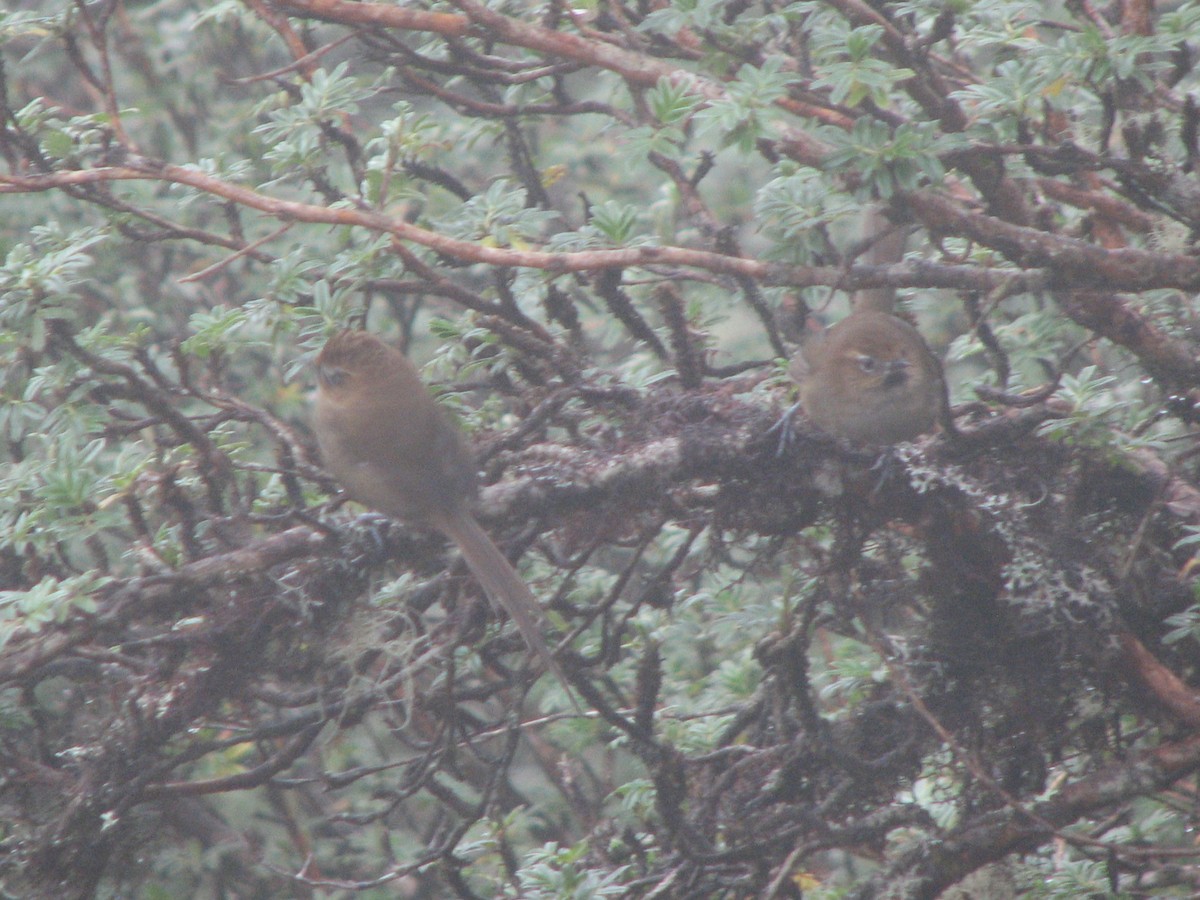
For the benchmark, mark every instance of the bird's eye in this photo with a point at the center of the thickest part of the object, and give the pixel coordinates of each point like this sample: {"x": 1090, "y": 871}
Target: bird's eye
{"x": 868, "y": 364}
{"x": 331, "y": 377}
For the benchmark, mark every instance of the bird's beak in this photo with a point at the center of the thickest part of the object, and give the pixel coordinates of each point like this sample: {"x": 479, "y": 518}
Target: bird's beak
{"x": 897, "y": 373}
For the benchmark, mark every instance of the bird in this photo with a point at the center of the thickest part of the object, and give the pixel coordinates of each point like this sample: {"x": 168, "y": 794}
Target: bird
{"x": 871, "y": 380}
{"x": 394, "y": 449}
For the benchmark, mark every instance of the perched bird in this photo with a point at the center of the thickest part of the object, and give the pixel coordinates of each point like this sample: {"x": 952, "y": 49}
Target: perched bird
{"x": 394, "y": 449}
{"x": 871, "y": 380}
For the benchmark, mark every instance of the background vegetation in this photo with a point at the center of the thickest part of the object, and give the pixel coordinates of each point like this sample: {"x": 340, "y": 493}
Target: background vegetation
{"x": 601, "y": 228}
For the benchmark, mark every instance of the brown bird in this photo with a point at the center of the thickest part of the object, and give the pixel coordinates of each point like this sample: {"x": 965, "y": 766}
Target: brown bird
{"x": 871, "y": 380}
{"x": 394, "y": 449}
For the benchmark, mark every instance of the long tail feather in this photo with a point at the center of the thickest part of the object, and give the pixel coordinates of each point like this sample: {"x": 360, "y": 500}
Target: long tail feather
{"x": 503, "y": 586}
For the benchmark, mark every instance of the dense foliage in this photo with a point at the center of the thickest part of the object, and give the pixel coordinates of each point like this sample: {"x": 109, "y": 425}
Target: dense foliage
{"x": 806, "y": 669}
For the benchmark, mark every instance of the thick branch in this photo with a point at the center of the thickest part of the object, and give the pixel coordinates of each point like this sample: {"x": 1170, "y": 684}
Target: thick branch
{"x": 903, "y": 275}
{"x": 936, "y": 864}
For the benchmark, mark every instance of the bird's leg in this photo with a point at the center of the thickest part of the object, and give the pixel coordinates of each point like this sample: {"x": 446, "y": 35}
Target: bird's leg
{"x": 888, "y": 465}
{"x": 785, "y": 429}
